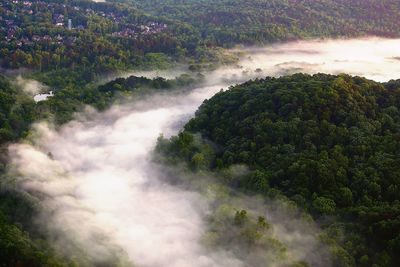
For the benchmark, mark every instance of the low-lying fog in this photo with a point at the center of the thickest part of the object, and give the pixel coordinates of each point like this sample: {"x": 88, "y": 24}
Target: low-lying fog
{"x": 374, "y": 58}
{"x": 101, "y": 189}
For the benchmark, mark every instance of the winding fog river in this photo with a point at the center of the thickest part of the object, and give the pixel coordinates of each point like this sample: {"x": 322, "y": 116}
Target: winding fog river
{"x": 104, "y": 193}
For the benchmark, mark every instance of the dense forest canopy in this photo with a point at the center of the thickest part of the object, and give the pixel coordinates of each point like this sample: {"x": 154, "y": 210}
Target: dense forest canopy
{"x": 329, "y": 143}
{"x": 87, "y": 38}
{"x": 227, "y": 22}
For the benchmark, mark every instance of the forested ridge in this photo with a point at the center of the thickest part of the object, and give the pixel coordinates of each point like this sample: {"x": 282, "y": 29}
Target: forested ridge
{"x": 227, "y": 22}
{"x": 115, "y": 35}
{"x": 329, "y": 143}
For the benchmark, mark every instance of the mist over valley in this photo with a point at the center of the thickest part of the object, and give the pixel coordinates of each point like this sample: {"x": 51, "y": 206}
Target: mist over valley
{"x": 223, "y": 133}
{"x": 104, "y": 194}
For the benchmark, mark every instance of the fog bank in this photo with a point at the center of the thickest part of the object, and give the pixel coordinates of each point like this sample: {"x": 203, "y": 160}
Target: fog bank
{"x": 102, "y": 192}
{"x": 374, "y": 58}
{"x": 101, "y": 189}
{"x": 96, "y": 180}
{"x": 29, "y": 86}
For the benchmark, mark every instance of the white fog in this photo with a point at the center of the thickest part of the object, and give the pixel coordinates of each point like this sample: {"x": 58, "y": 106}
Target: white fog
{"x": 102, "y": 189}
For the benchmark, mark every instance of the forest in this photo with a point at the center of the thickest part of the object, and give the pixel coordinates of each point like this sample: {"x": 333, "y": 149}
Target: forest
{"x": 125, "y": 34}
{"x": 103, "y": 38}
{"x": 227, "y": 23}
{"x": 328, "y": 143}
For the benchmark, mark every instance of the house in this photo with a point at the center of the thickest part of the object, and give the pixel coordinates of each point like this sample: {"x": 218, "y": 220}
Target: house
{"x": 58, "y": 18}
{"x": 35, "y": 38}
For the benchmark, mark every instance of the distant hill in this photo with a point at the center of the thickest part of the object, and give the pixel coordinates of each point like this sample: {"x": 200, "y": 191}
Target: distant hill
{"x": 227, "y": 22}
{"x": 83, "y": 35}
{"x": 80, "y": 39}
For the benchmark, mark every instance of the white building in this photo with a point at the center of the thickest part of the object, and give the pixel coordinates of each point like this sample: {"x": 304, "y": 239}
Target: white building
{"x": 42, "y": 97}
{"x": 69, "y": 24}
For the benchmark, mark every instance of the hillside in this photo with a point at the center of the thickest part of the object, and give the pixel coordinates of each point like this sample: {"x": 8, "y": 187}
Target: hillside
{"x": 81, "y": 38}
{"x": 17, "y": 246}
{"x": 226, "y": 22}
{"x": 329, "y": 143}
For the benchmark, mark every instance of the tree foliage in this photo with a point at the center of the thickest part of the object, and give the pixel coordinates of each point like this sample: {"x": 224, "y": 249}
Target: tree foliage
{"x": 228, "y": 22}
{"x": 330, "y": 143}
